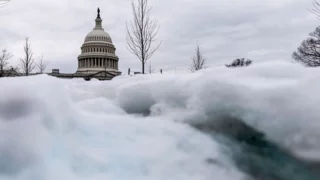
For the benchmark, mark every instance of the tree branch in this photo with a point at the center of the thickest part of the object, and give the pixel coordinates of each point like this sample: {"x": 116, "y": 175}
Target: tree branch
{"x": 142, "y": 32}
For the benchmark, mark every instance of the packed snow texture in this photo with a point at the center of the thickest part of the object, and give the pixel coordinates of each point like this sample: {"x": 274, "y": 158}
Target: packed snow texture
{"x": 136, "y": 127}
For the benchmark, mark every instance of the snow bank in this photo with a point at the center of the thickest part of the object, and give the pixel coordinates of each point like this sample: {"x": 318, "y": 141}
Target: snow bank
{"x": 71, "y": 129}
{"x": 136, "y": 127}
{"x": 278, "y": 98}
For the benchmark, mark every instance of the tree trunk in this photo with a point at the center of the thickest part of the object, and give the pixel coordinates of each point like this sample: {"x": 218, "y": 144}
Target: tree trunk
{"x": 142, "y": 68}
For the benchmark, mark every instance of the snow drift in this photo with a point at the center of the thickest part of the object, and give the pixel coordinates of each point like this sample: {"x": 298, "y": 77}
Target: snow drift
{"x": 139, "y": 127}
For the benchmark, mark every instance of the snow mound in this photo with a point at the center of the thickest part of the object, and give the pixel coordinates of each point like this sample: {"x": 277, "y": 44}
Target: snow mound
{"x": 72, "y": 129}
{"x": 137, "y": 127}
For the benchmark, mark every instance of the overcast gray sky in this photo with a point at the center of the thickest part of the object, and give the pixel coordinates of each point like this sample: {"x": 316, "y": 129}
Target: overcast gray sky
{"x": 225, "y": 29}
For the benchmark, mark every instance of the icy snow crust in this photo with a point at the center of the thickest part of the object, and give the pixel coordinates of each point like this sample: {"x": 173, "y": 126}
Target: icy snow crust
{"x": 137, "y": 127}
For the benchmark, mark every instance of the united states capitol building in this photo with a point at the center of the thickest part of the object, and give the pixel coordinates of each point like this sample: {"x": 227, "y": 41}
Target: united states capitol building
{"x": 98, "y": 57}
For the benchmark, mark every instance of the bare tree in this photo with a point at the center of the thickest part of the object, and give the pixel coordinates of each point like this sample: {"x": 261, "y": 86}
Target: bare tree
{"x": 316, "y": 8}
{"x": 198, "y": 61}
{"x": 27, "y": 63}
{"x": 4, "y": 58}
{"x": 142, "y": 32}
{"x": 41, "y": 65}
{"x": 309, "y": 51}
{"x": 150, "y": 68}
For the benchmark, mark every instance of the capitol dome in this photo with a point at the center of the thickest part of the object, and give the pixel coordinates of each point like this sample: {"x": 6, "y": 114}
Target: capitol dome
{"x": 98, "y": 52}
{"x": 98, "y": 35}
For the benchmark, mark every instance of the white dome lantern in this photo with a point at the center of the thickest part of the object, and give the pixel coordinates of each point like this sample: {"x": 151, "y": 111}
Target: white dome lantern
{"x": 98, "y": 52}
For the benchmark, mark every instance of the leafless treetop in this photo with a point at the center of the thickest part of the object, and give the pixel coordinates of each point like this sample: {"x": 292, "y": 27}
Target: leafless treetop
{"x": 309, "y": 51}
{"x": 198, "y": 61}
{"x": 316, "y": 8}
{"x": 27, "y": 63}
{"x": 151, "y": 69}
{"x": 5, "y": 56}
{"x": 142, "y": 32}
{"x": 41, "y": 65}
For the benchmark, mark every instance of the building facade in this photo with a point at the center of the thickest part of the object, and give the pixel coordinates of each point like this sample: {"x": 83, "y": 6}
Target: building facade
{"x": 98, "y": 52}
{"x": 98, "y": 57}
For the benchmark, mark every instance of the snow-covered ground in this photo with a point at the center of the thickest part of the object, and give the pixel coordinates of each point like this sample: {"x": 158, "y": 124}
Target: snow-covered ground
{"x": 137, "y": 127}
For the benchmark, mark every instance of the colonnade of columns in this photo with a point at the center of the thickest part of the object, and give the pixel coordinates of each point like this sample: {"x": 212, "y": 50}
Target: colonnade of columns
{"x": 97, "y": 62}
{"x": 97, "y": 50}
